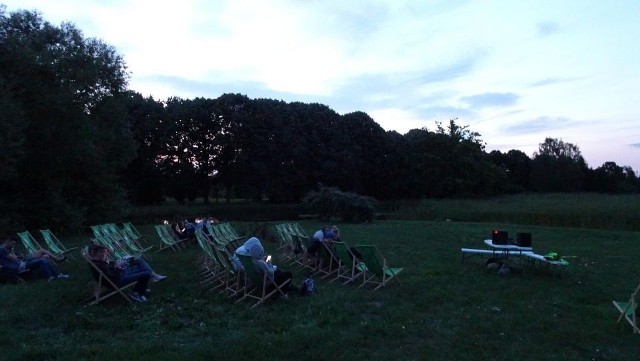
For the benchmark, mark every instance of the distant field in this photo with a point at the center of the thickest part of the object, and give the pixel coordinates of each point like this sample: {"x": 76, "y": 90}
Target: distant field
{"x": 600, "y": 211}
{"x": 442, "y": 310}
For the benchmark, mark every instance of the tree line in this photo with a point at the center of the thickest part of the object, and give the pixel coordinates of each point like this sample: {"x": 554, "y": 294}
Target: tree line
{"x": 77, "y": 145}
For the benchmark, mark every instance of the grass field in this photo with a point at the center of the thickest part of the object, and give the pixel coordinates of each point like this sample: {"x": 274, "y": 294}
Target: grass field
{"x": 583, "y": 210}
{"x": 443, "y": 310}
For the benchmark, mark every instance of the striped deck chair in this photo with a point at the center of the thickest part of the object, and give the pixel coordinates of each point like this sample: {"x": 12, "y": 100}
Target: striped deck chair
{"x": 377, "y": 271}
{"x": 628, "y": 310}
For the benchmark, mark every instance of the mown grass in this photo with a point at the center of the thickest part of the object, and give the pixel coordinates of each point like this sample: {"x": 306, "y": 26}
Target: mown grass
{"x": 443, "y": 310}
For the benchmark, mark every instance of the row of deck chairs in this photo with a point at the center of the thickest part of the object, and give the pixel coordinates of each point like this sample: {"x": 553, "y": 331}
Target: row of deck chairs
{"x": 169, "y": 239}
{"x": 219, "y": 243}
{"x": 342, "y": 264}
{"x": 53, "y": 243}
{"x": 218, "y": 272}
{"x": 123, "y": 241}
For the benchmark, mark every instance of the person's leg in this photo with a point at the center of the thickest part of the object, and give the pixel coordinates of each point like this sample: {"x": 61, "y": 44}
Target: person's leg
{"x": 313, "y": 247}
{"x": 39, "y": 253}
{"x": 140, "y": 277}
{"x": 143, "y": 265}
{"x": 280, "y": 277}
{"x": 46, "y": 270}
{"x": 43, "y": 253}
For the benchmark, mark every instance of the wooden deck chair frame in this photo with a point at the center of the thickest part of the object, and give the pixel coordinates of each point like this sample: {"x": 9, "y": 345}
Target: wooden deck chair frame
{"x": 299, "y": 230}
{"x": 132, "y": 230}
{"x": 228, "y": 229}
{"x": 131, "y": 237}
{"x": 120, "y": 249}
{"x": 181, "y": 242}
{"x": 104, "y": 287}
{"x": 55, "y": 245}
{"x": 213, "y": 269}
{"x": 129, "y": 245}
{"x": 349, "y": 268}
{"x": 218, "y": 236}
{"x": 115, "y": 247}
{"x": 222, "y": 274}
{"x": 226, "y": 232}
{"x": 287, "y": 245}
{"x": 323, "y": 268}
{"x": 255, "y": 284}
{"x": 294, "y": 241}
{"x": 376, "y": 267}
{"x": 29, "y": 242}
{"x": 629, "y": 310}
{"x": 167, "y": 241}
{"x": 231, "y": 277}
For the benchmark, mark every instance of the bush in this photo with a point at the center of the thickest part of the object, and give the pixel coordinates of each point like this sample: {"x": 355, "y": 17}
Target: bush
{"x": 330, "y": 202}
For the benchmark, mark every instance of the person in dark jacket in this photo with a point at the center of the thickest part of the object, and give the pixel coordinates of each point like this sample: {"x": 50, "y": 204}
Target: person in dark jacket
{"x": 13, "y": 264}
{"x": 125, "y": 271}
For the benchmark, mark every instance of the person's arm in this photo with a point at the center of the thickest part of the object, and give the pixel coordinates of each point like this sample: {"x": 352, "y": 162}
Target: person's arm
{"x": 4, "y": 252}
{"x": 108, "y": 268}
{"x": 265, "y": 267}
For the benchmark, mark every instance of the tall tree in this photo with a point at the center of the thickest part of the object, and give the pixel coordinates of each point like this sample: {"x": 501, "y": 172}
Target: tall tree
{"x": 611, "y": 178}
{"x": 558, "y": 166}
{"x": 59, "y": 85}
{"x": 516, "y": 165}
{"x": 144, "y": 181}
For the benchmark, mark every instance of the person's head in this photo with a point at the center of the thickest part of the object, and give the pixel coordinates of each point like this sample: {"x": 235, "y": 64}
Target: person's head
{"x": 336, "y": 232}
{"x": 9, "y": 243}
{"x": 256, "y": 250}
{"x": 99, "y": 252}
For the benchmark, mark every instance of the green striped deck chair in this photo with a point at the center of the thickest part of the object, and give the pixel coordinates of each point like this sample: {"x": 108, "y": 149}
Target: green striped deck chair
{"x": 628, "y": 310}
{"x": 55, "y": 245}
{"x": 377, "y": 270}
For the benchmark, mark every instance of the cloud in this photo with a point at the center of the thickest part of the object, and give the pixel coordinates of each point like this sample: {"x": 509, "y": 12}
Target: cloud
{"x": 547, "y": 28}
{"x": 443, "y": 113}
{"x": 491, "y": 100}
{"x": 539, "y": 124}
{"x": 551, "y": 81}
{"x": 174, "y": 86}
{"x": 635, "y": 145}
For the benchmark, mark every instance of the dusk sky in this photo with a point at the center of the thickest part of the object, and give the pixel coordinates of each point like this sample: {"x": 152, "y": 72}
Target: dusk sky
{"x": 514, "y": 71}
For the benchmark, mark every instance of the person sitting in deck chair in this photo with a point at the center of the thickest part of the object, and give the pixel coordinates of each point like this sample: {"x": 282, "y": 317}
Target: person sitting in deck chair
{"x": 124, "y": 271}
{"x": 253, "y": 247}
{"x": 43, "y": 261}
{"x": 243, "y": 250}
{"x": 324, "y": 235}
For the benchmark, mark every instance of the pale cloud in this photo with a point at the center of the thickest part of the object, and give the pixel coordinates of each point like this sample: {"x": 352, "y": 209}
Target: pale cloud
{"x": 551, "y": 81}
{"x": 491, "y": 100}
{"x": 399, "y": 120}
{"x": 547, "y": 28}
{"x": 538, "y": 125}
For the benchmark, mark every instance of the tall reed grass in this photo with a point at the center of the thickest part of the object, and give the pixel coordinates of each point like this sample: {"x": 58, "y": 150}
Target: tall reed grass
{"x": 585, "y": 210}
